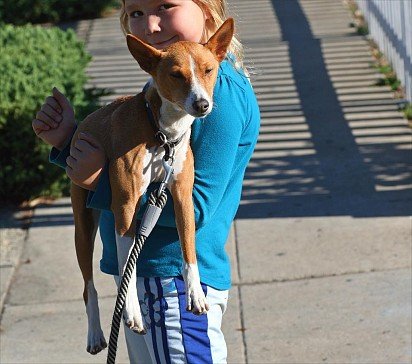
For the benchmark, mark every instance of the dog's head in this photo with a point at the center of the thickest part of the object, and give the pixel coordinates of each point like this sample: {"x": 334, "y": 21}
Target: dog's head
{"x": 185, "y": 72}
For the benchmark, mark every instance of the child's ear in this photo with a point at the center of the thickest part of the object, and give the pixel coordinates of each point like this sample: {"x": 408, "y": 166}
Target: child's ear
{"x": 147, "y": 56}
{"x": 220, "y": 41}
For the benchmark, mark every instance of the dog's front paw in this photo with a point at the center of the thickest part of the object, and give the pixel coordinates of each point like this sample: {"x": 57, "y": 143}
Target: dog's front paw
{"x": 196, "y": 300}
{"x": 132, "y": 315}
{"x": 95, "y": 341}
{"x": 195, "y": 297}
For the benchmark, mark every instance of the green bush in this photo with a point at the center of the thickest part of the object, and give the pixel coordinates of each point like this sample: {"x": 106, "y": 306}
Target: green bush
{"x": 33, "y": 60}
{"x": 20, "y": 12}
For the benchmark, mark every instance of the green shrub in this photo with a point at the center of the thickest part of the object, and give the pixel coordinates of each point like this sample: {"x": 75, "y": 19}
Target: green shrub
{"x": 33, "y": 60}
{"x": 20, "y": 12}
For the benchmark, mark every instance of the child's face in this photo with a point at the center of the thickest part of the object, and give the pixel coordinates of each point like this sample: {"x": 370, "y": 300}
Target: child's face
{"x": 163, "y": 22}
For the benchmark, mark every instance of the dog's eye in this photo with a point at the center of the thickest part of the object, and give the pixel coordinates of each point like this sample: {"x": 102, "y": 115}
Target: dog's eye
{"x": 177, "y": 75}
{"x": 208, "y": 70}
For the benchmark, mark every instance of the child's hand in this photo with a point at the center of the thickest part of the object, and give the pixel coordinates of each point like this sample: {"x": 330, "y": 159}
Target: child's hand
{"x": 85, "y": 162}
{"x": 55, "y": 121}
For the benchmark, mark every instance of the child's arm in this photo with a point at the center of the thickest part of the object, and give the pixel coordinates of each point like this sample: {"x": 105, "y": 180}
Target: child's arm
{"x": 85, "y": 162}
{"x": 216, "y": 144}
{"x": 55, "y": 124}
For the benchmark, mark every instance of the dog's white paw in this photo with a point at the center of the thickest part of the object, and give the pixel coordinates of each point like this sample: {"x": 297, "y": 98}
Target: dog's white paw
{"x": 195, "y": 297}
{"x": 95, "y": 341}
{"x": 196, "y": 300}
{"x": 95, "y": 338}
{"x": 132, "y": 315}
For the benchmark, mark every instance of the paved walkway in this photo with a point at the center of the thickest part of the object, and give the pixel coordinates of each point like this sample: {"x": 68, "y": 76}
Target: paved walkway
{"x": 321, "y": 247}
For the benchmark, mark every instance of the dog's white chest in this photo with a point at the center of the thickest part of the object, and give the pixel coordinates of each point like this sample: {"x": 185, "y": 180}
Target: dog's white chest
{"x": 153, "y": 170}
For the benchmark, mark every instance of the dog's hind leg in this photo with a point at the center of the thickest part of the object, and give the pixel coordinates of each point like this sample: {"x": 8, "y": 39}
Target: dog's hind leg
{"x": 86, "y": 223}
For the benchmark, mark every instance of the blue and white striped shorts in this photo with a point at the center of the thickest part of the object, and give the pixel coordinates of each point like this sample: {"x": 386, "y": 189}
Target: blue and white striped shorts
{"x": 175, "y": 335}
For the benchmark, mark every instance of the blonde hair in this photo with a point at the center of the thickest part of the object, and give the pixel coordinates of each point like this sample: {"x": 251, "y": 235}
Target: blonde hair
{"x": 217, "y": 13}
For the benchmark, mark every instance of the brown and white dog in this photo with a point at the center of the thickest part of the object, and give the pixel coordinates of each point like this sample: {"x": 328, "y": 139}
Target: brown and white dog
{"x": 181, "y": 89}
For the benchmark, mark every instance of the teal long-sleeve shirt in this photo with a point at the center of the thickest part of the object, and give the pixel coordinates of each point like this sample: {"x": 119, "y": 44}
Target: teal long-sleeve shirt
{"x": 222, "y": 145}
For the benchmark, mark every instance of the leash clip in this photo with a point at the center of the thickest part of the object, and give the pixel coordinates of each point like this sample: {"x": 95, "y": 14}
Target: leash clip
{"x": 161, "y": 137}
{"x": 168, "y": 174}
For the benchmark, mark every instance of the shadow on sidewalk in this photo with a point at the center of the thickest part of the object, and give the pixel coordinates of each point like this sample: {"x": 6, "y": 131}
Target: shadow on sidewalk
{"x": 332, "y": 174}
{"x": 55, "y": 218}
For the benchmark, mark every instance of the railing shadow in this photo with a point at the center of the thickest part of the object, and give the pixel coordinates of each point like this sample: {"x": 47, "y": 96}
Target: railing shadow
{"x": 311, "y": 160}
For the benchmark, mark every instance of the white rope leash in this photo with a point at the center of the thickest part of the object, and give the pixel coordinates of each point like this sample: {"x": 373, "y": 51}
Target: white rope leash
{"x": 157, "y": 201}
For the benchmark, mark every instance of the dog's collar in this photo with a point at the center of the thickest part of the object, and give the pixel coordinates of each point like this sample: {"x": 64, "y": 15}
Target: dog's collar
{"x": 161, "y": 137}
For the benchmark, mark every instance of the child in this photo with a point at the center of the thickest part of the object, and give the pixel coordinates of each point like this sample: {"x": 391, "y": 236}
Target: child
{"x": 222, "y": 145}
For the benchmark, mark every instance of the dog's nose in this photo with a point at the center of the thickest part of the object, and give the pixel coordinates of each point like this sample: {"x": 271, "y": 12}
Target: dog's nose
{"x": 201, "y": 106}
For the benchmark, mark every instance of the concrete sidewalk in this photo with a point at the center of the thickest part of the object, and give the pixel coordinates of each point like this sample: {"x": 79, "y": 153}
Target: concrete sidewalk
{"x": 321, "y": 246}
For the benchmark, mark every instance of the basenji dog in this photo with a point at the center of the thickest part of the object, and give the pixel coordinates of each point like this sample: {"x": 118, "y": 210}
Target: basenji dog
{"x": 180, "y": 90}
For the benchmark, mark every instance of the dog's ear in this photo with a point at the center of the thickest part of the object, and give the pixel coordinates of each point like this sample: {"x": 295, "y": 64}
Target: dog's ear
{"x": 147, "y": 56}
{"x": 220, "y": 41}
